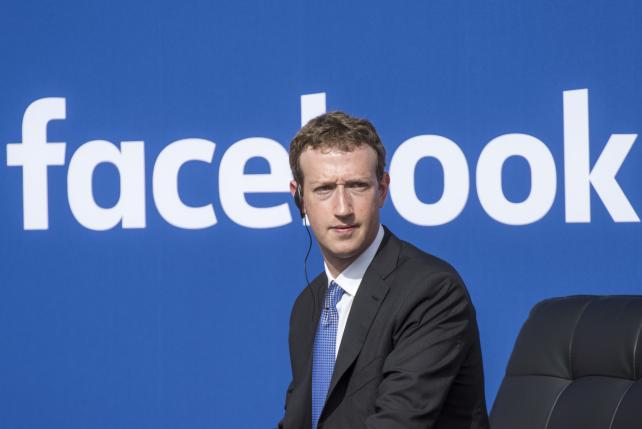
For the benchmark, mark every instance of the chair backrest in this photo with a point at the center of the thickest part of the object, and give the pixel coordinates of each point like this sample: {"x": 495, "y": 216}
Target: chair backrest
{"x": 576, "y": 364}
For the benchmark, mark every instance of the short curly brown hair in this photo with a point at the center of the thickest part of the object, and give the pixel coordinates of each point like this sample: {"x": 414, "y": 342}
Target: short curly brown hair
{"x": 336, "y": 130}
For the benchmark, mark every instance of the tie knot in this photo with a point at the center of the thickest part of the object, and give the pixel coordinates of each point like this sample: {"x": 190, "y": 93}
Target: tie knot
{"x": 334, "y": 295}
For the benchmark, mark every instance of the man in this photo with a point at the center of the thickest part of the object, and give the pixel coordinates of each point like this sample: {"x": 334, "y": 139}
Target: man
{"x": 386, "y": 337}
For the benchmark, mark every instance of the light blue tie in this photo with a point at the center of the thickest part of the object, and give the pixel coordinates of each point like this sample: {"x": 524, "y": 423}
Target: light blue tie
{"x": 324, "y": 350}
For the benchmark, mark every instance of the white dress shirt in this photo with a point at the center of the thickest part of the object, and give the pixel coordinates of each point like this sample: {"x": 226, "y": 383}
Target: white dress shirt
{"x": 349, "y": 280}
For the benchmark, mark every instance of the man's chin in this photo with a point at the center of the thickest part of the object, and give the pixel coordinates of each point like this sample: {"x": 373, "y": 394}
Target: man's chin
{"x": 345, "y": 254}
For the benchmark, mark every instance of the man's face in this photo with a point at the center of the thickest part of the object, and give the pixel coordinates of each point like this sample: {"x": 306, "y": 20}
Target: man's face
{"x": 342, "y": 198}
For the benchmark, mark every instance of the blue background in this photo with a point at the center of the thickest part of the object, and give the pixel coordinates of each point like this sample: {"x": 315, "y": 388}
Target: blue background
{"x": 169, "y": 328}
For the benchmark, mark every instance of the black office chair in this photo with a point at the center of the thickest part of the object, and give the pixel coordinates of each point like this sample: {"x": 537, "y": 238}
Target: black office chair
{"x": 576, "y": 364}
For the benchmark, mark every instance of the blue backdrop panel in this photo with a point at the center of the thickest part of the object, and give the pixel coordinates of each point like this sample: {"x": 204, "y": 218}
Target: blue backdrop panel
{"x": 159, "y": 326}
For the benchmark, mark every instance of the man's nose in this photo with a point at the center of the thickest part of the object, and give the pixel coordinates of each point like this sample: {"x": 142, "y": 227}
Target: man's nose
{"x": 343, "y": 204}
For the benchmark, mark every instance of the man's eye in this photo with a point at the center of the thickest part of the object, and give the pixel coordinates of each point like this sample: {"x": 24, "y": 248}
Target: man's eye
{"x": 323, "y": 189}
{"x": 360, "y": 186}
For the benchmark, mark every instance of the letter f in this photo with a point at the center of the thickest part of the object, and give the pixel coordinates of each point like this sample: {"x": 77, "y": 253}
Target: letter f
{"x": 34, "y": 154}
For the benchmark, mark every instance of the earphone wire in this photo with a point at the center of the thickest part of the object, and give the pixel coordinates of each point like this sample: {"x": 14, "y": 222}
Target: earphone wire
{"x": 305, "y": 265}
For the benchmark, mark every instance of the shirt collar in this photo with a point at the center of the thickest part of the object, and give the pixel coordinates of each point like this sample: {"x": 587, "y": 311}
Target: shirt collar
{"x": 350, "y": 278}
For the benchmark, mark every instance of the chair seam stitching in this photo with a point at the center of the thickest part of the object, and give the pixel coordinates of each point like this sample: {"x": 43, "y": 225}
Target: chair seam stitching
{"x": 619, "y": 403}
{"x": 636, "y": 369}
{"x": 570, "y": 345}
{"x": 550, "y": 413}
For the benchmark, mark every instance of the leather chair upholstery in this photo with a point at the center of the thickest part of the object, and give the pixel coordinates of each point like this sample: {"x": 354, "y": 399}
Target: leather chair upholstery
{"x": 576, "y": 364}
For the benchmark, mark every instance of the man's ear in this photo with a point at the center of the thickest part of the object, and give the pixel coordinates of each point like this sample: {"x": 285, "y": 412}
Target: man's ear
{"x": 293, "y": 186}
{"x": 384, "y": 185}
{"x": 297, "y": 193}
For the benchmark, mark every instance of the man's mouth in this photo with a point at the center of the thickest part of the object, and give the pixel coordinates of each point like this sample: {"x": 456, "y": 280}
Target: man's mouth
{"x": 344, "y": 228}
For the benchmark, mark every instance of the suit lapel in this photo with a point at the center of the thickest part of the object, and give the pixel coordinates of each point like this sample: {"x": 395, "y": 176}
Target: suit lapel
{"x": 369, "y": 297}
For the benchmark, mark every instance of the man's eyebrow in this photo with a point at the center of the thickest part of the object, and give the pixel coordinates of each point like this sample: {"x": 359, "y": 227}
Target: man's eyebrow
{"x": 315, "y": 185}
{"x": 322, "y": 182}
{"x": 353, "y": 181}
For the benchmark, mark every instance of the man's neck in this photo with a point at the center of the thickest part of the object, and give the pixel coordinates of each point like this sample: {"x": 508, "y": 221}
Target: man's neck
{"x": 337, "y": 265}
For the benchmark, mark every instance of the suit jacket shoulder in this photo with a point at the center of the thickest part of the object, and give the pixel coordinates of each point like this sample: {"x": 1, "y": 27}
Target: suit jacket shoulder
{"x": 419, "y": 270}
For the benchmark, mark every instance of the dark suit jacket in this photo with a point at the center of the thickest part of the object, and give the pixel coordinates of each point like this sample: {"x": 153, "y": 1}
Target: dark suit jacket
{"x": 410, "y": 354}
